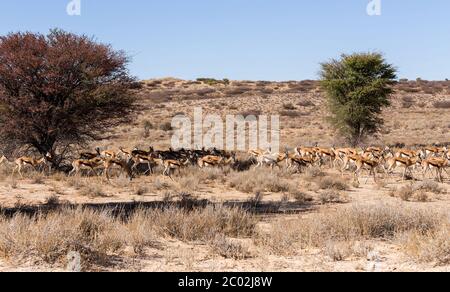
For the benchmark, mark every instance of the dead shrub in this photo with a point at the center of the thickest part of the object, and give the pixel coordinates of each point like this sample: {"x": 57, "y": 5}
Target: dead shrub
{"x": 140, "y": 190}
{"x": 299, "y": 197}
{"x": 229, "y": 249}
{"x": 51, "y": 237}
{"x": 334, "y": 183}
{"x": 406, "y": 193}
{"x": 289, "y": 106}
{"x": 430, "y": 186}
{"x": 52, "y": 200}
{"x": 167, "y": 126}
{"x": 331, "y": 197}
{"x": 203, "y": 224}
{"x": 357, "y": 223}
{"x": 313, "y": 172}
{"x": 433, "y": 246}
{"x": 92, "y": 191}
{"x": 257, "y": 180}
{"x": 442, "y": 104}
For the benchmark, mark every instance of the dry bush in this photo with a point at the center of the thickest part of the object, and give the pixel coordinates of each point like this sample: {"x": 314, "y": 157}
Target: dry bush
{"x": 338, "y": 251}
{"x": 52, "y": 200}
{"x": 292, "y": 113}
{"x": 255, "y": 200}
{"x": 189, "y": 183}
{"x": 229, "y": 249}
{"x": 407, "y": 102}
{"x": 299, "y": 196}
{"x": 430, "y": 186}
{"x": 140, "y": 190}
{"x": 433, "y": 246}
{"x": 76, "y": 182}
{"x": 333, "y": 183}
{"x": 38, "y": 179}
{"x": 214, "y": 173}
{"x": 51, "y": 237}
{"x": 442, "y": 104}
{"x": 331, "y": 197}
{"x": 92, "y": 191}
{"x": 203, "y": 224}
{"x": 406, "y": 193}
{"x": 166, "y": 126}
{"x": 418, "y": 191}
{"x": 313, "y": 172}
{"x": 289, "y": 107}
{"x": 251, "y": 113}
{"x": 422, "y": 197}
{"x": 98, "y": 235}
{"x": 305, "y": 103}
{"x": 259, "y": 179}
{"x": 161, "y": 185}
{"x": 357, "y": 223}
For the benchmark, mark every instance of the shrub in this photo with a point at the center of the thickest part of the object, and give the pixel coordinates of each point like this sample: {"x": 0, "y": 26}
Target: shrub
{"x": 229, "y": 249}
{"x": 406, "y": 193}
{"x": 167, "y": 126}
{"x": 289, "y": 106}
{"x": 257, "y": 180}
{"x": 329, "y": 197}
{"x": 442, "y": 104}
{"x": 357, "y": 223}
{"x": 335, "y": 183}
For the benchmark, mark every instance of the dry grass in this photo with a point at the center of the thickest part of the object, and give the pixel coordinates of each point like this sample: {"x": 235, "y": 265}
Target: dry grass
{"x": 420, "y": 191}
{"x": 98, "y": 235}
{"x": 93, "y": 191}
{"x": 432, "y": 247}
{"x": 259, "y": 180}
{"x": 229, "y": 249}
{"x": 51, "y": 237}
{"x": 331, "y": 197}
{"x": 442, "y": 104}
{"x": 203, "y": 224}
{"x": 354, "y": 224}
{"x": 332, "y": 183}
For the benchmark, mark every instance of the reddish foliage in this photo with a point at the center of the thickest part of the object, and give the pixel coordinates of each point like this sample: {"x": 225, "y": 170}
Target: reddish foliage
{"x": 60, "y": 89}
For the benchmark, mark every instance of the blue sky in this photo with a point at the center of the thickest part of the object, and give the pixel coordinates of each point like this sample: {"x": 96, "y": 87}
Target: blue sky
{"x": 250, "y": 39}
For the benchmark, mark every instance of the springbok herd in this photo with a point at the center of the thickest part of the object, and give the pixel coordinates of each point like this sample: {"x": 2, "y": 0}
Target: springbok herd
{"x": 374, "y": 159}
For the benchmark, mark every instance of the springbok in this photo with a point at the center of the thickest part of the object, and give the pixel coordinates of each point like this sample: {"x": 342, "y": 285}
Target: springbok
{"x": 28, "y": 161}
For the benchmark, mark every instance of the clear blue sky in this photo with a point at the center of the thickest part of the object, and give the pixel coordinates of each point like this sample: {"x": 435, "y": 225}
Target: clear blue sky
{"x": 250, "y": 39}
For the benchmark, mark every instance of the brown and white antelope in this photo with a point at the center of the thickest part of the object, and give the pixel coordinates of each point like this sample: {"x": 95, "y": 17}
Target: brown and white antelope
{"x": 324, "y": 153}
{"x": 91, "y": 164}
{"x": 439, "y": 164}
{"x": 212, "y": 160}
{"x": 110, "y": 162}
{"x": 28, "y": 161}
{"x": 406, "y": 163}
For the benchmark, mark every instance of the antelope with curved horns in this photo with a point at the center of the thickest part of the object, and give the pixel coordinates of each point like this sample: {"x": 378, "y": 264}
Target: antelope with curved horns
{"x": 406, "y": 163}
{"x": 110, "y": 162}
{"x": 212, "y": 160}
{"x": 90, "y": 164}
{"x": 28, "y": 161}
{"x": 439, "y": 164}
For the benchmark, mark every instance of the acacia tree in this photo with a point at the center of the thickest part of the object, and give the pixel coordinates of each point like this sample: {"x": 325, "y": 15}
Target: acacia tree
{"x": 60, "y": 90}
{"x": 358, "y": 87}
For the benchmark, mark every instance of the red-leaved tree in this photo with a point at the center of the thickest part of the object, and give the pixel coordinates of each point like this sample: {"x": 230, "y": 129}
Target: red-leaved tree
{"x": 60, "y": 90}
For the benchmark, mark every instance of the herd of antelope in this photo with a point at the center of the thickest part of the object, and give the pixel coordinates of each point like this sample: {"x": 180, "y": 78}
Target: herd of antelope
{"x": 372, "y": 159}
